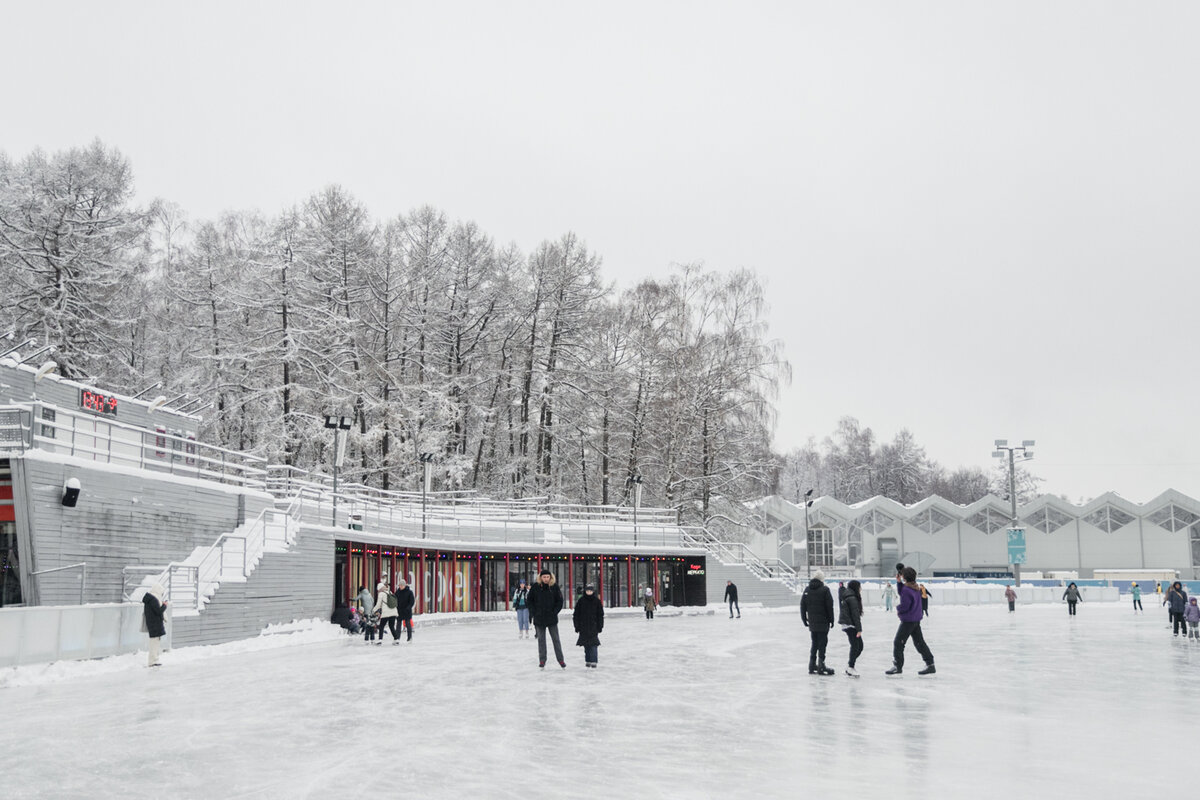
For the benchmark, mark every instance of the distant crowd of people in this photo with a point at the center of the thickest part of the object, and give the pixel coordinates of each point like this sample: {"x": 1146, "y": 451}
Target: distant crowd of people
{"x": 390, "y": 610}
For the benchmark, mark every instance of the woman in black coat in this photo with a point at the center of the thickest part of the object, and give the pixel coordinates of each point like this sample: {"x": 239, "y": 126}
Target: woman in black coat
{"x": 850, "y": 618}
{"x": 154, "y": 607}
{"x": 589, "y": 621}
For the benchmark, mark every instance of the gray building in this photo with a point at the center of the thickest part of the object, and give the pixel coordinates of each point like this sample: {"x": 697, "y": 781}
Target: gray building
{"x": 868, "y": 538}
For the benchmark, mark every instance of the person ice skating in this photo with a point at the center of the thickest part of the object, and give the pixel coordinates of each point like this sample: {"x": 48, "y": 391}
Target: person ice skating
{"x": 1011, "y": 596}
{"x": 889, "y": 595}
{"x": 648, "y": 602}
{"x": 910, "y": 614}
{"x": 366, "y": 605}
{"x": 731, "y": 597}
{"x": 589, "y": 622}
{"x": 925, "y": 595}
{"x": 816, "y": 612}
{"x": 850, "y": 618}
{"x": 1136, "y": 591}
{"x": 1192, "y": 615}
{"x": 388, "y": 611}
{"x": 545, "y": 601}
{"x": 1177, "y": 603}
{"x": 1072, "y": 596}
{"x": 406, "y": 601}
{"x": 520, "y": 601}
{"x": 154, "y": 608}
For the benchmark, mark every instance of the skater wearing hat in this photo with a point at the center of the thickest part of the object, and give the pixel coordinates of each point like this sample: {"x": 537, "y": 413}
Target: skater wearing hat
{"x": 545, "y": 601}
{"x": 816, "y": 612}
{"x": 910, "y": 614}
{"x": 589, "y": 621}
{"x": 520, "y": 601}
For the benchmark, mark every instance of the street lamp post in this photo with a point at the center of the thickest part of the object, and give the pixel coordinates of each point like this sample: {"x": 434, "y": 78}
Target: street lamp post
{"x": 807, "y": 533}
{"x": 337, "y": 424}
{"x": 427, "y": 464}
{"x": 634, "y": 481}
{"x": 1002, "y": 446}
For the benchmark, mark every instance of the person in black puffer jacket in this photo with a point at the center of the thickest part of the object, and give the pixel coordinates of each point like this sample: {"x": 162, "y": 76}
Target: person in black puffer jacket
{"x": 816, "y": 612}
{"x": 589, "y": 621}
{"x": 850, "y": 618}
{"x": 545, "y": 601}
{"x": 406, "y": 601}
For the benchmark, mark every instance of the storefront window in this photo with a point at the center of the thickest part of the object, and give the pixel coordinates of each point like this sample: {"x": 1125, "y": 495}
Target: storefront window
{"x": 10, "y": 562}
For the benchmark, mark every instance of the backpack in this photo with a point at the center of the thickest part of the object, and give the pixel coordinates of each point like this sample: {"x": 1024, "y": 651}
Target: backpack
{"x": 390, "y": 600}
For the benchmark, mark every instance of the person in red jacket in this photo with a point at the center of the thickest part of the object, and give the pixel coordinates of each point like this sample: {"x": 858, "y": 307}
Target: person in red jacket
{"x": 1011, "y": 597}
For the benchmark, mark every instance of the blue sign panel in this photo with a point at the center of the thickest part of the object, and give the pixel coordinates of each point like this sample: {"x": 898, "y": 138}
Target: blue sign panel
{"x": 1016, "y": 545}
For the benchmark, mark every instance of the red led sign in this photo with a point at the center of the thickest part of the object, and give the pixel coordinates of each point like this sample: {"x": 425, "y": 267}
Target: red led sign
{"x": 99, "y": 403}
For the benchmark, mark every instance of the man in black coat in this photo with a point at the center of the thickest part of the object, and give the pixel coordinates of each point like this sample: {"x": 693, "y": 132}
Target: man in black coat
{"x": 405, "y": 601}
{"x": 816, "y": 612}
{"x": 545, "y": 601}
{"x": 731, "y": 596}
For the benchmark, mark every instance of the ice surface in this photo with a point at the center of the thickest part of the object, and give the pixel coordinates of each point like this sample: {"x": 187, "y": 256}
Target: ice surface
{"x": 1031, "y": 704}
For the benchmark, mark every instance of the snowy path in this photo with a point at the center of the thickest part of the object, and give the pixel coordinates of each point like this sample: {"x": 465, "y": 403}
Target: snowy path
{"x": 1033, "y": 703}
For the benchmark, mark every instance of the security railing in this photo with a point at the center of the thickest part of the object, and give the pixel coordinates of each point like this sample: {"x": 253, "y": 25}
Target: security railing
{"x": 28, "y": 426}
{"x": 82, "y": 567}
{"x": 739, "y": 553}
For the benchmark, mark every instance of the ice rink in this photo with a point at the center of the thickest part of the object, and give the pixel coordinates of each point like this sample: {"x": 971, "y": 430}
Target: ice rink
{"x": 1036, "y": 703}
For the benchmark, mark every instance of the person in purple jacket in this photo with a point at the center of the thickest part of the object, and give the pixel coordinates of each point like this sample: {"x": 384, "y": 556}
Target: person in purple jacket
{"x": 910, "y": 613}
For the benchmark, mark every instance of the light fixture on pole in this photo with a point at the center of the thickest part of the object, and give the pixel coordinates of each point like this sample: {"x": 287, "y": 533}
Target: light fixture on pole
{"x": 48, "y": 348}
{"x": 426, "y": 460}
{"x": 634, "y": 481}
{"x": 807, "y": 532}
{"x": 16, "y": 348}
{"x": 152, "y": 386}
{"x": 1016, "y": 535}
{"x": 337, "y": 424}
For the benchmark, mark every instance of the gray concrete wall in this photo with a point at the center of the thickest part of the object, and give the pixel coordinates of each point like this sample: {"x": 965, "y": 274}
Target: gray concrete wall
{"x": 123, "y": 518}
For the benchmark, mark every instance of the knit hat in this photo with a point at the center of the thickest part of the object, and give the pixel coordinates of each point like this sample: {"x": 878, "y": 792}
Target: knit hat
{"x": 545, "y": 572}
{"x": 820, "y": 576}
{"x": 590, "y": 588}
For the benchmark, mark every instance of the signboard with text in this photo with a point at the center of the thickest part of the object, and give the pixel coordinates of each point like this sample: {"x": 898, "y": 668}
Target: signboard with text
{"x": 1016, "y": 545}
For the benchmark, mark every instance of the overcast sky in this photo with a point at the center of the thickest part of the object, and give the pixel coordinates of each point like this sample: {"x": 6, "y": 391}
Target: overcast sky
{"x": 976, "y": 220}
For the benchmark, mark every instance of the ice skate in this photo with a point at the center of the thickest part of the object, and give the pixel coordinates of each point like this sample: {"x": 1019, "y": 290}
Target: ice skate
{"x": 851, "y": 672}
{"x": 929, "y": 670}
{"x": 895, "y": 670}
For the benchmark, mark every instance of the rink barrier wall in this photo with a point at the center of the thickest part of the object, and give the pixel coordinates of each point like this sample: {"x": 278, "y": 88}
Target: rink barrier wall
{"x": 992, "y": 594}
{"x": 41, "y": 634}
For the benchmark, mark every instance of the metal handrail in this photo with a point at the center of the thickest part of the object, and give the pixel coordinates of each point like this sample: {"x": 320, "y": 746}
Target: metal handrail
{"x": 82, "y": 567}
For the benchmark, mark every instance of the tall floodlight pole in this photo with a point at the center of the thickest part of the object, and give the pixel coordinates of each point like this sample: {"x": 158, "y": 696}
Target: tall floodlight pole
{"x": 807, "y": 533}
{"x": 427, "y": 464}
{"x": 1016, "y": 534}
{"x": 635, "y": 481}
{"x": 337, "y": 424}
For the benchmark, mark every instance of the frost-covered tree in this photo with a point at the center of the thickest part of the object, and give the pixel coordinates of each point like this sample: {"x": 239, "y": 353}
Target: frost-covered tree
{"x": 72, "y": 257}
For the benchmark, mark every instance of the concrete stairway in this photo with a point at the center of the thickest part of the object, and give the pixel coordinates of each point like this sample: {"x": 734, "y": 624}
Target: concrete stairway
{"x": 751, "y": 588}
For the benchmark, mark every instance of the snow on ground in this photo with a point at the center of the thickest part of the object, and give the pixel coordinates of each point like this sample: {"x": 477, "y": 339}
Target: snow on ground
{"x": 1037, "y": 703}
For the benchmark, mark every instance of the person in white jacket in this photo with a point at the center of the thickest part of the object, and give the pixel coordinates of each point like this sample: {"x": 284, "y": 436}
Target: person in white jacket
{"x": 389, "y": 613}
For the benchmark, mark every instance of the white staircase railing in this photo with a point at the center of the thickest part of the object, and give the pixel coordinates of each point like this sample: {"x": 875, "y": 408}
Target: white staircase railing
{"x": 231, "y": 558}
{"x": 738, "y": 553}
